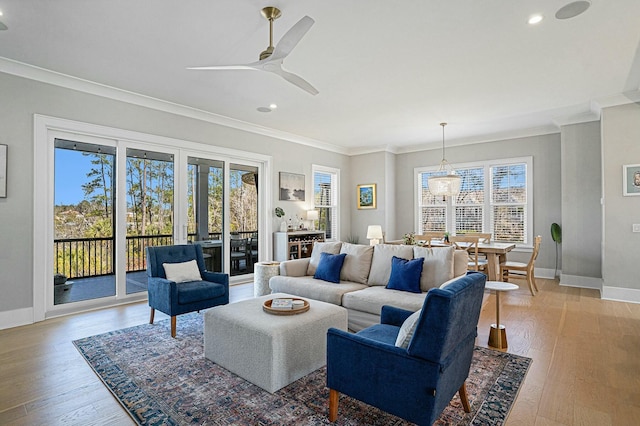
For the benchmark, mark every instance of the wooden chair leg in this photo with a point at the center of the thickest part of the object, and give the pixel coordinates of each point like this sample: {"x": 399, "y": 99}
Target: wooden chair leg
{"x": 334, "y": 396}
{"x": 153, "y": 311}
{"x": 463, "y": 398}
{"x": 530, "y": 282}
{"x": 535, "y": 285}
{"x": 173, "y": 326}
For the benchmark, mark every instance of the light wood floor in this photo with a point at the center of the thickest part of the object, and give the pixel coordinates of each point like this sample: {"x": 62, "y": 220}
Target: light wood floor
{"x": 585, "y": 370}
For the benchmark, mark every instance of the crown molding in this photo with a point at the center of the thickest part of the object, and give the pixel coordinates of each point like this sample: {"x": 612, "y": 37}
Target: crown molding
{"x": 31, "y": 72}
{"x": 494, "y": 137}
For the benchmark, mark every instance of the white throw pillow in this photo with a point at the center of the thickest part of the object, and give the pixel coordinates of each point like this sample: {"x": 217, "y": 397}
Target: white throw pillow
{"x": 357, "y": 263}
{"x": 182, "y": 272}
{"x": 438, "y": 266}
{"x": 381, "y": 262}
{"x": 406, "y": 331}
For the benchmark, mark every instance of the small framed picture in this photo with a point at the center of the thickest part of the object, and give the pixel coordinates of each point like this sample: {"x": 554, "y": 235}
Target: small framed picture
{"x": 367, "y": 196}
{"x": 3, "y": 171}
{"x": 291, "y": 187}
{"x": 631, "y": 180}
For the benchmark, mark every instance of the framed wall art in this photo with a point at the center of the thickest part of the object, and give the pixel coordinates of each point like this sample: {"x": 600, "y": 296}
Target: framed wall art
{"x": 3, "y": 171}
{"x": 291, "y": 187}
{"x": 631, "y": 179}
{"x": 366, "y": 196}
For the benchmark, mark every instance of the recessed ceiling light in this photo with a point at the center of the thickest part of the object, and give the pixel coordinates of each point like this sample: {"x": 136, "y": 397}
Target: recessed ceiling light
{"x": 535, "y": 19}
{"x": 264, "y": 109}
{"x": 573, "y": 9}
{"x": 273, "y": 106}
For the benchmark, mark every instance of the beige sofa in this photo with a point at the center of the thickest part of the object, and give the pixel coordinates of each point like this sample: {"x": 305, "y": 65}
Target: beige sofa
{"x": 364, "y": 275}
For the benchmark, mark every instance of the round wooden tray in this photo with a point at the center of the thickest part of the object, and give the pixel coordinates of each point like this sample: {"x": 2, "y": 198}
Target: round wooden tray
{"x": 266, "y": 306}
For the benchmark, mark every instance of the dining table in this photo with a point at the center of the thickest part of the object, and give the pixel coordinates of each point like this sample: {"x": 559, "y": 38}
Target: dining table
{"x": 496, "y": 253}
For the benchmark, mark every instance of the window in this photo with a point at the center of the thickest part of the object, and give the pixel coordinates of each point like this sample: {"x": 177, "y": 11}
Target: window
{"x": 495, "y": 197}
{"x": 326, "y": 193}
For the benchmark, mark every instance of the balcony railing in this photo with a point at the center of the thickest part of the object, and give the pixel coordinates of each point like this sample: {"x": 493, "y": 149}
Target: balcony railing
{"x": 93, "y": 257}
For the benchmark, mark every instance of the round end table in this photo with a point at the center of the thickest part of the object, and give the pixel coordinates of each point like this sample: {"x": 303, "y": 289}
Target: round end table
{"x": 498, "y": 332}
{"x": 262, "y": 272}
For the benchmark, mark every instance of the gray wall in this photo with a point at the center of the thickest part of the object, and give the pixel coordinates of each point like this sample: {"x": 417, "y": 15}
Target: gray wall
{"x": 22, "y": 98}
{"x": 620, "y": 146}
{"x": 367, "y": 169}
{"x": 581, "y": 209}
{"x": 545, "y": 151}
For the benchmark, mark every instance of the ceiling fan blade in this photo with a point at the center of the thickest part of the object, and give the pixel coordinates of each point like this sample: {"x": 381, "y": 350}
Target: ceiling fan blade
{"x": 292, "y": 38}
{"x": 291, "y": 78}
{"x": 224, "y": 67}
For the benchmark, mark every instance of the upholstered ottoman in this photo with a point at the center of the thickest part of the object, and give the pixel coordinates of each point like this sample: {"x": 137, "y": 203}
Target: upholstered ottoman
{"x": 268, "y": 350}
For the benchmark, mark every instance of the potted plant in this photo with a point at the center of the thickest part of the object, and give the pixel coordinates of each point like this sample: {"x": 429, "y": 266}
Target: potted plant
{"x": 59, "y": 279}
{"x": 280, "y": 214}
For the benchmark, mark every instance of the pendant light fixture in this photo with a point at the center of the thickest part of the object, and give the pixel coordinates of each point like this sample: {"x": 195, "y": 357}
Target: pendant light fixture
{"x": 444, "y": 184}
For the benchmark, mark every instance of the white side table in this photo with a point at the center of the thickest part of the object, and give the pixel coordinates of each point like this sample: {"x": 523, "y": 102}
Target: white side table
{"x": 498, "y": 333}
{"x": 262, "y": 272}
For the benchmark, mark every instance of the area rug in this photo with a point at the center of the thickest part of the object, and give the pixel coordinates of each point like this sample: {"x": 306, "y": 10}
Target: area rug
{"x": 165, "y": 381}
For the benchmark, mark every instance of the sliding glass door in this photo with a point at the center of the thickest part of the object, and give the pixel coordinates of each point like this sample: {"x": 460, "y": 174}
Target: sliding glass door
{"x": 84, "y": 221}
{"x": 102, "y": 196}
{"x": 149, "y": 216}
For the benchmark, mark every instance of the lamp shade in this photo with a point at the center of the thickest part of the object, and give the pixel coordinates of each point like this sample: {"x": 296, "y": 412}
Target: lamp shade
{"x": 374, "y": 232}
{"x": 448, "y": 184}
{"x": 312, "y": 214}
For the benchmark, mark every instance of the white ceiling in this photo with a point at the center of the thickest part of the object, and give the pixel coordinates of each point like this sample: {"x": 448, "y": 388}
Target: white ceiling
{"x": 388, "y": 72}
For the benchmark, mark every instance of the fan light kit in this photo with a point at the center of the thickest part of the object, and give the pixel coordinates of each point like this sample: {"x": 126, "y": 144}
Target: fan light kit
{"x": 448, "y": 184}
{"x": 271, "y": 59}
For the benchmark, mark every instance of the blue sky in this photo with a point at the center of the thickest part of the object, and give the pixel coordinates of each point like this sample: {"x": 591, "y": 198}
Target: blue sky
{"x": 71, "y": 168}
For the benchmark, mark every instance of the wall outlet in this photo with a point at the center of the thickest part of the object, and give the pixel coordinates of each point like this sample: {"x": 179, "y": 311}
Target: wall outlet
{"x": 636, "y": 227}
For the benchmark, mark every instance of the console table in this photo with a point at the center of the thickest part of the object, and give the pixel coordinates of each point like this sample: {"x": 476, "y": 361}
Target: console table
{"x": 294, "y": 244}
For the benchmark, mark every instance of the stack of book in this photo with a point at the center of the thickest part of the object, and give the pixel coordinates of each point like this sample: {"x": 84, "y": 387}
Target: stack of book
{"x": 282, "y": 304}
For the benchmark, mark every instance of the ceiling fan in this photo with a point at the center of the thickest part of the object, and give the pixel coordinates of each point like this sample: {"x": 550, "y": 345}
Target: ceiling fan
{"x": 271, "y": 59}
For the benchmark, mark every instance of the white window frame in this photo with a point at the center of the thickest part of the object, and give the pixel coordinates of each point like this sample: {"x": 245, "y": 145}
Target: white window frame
{"x": 335, "y": 196}
{"x": 488, "y": 204}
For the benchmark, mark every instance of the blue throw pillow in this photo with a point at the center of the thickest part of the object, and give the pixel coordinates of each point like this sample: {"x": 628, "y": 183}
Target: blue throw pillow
{"x": 329, "y": 267}
{"x": 405, "y": 274}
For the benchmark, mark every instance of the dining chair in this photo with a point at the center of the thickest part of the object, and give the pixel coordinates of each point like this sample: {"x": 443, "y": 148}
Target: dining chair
{"x": 520, "y": 270}
{"x": 470, "y": 245}
{"x": 238, "y": 252}
{"x": 426, "y": 237}
{"x": 483, "y": 237}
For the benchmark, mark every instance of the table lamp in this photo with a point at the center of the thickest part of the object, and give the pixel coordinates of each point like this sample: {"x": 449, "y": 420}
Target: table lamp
{"x": 374, "y": 234}
{"x": 312, "y": 215}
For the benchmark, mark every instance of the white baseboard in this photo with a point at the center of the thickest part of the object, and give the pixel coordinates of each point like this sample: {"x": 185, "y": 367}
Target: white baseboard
{"x": 580, "y": 281}
{"x": 620, "y": 294}
{"x": 544, "y": 273}
{"x": 16, "y": 318}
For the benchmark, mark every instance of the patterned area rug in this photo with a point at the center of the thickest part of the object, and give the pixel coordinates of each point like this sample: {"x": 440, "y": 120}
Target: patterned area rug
{"x": 165, "y": 381}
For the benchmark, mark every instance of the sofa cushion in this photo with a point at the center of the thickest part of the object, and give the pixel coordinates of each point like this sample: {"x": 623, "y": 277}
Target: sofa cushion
{"x": 357, "y": 264}
{"x": 197, "y": 291}
{"x": 460, "y": 263}
{"x": 329, "y": 267}
{"x": 438, "y": 265}
{"x": 371, "y": 299}
{"x": 405, "y": 274}
{"x": 407, "y": 329}
{"x": 182, "y": 272}
{"x": 330, "y": 247}
{"x": 381, "y": 261}
{"x": 311, "y": 288}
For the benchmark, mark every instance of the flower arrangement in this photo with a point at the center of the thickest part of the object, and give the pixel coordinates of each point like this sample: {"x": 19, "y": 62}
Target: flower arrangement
{"x": 409, "y": 239}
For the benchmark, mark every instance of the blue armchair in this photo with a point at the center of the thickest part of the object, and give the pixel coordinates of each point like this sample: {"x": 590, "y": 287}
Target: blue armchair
{"x": 418, "y": 382}
{"x": 179, "y": 298}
